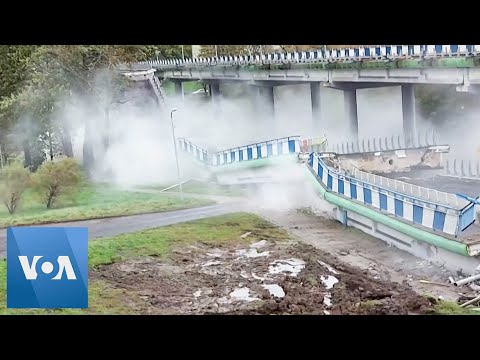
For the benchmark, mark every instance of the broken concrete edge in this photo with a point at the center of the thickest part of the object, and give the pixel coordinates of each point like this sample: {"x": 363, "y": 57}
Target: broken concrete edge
{"x": 414, "y": 232}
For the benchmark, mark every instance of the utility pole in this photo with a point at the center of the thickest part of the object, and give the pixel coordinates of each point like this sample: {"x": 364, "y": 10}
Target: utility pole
{"x": 216, "y": 51}
{"x": 176, "y": 155}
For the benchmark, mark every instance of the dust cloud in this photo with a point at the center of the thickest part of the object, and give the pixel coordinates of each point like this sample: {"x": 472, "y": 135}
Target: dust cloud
{"x": 140, "y": 144}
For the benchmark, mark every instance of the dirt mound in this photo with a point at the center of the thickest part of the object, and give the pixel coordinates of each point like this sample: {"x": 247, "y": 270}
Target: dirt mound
{"x": 263, "y": 278}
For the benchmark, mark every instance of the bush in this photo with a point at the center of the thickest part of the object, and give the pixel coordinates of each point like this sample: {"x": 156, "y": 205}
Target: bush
{"x": 14, "y": 181}
{"x": 54, "y": 178}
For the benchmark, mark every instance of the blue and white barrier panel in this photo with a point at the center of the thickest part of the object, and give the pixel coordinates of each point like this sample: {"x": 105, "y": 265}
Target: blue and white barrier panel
{"x": 318, "y": 55}
{"x": 267, "y": 149}
{"x": 433, "y": 216}
{"x": 197, "y": 152}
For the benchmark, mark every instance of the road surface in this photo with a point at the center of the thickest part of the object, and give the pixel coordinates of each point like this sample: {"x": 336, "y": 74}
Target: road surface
{"x": 441, "y": 183}
{"x": 98, "y": 228}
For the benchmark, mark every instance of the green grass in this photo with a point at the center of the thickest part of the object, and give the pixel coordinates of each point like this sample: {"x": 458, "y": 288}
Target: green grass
{"x": 370, "y": 304}
{"x": 197, "y": 187}
{"x": 92, "y": 202}
{"x": 452, "y": 308}
{"x": 188, "y": 87}
{"x": 103, "y": 299}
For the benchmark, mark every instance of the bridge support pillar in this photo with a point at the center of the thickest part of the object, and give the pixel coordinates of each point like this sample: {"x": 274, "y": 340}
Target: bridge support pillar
{"x": 263, "y": 100}
{"x": 215, "y": 92}
{"x": 351, "y": 114}
{"x": 408, "y": 110}
{"x": 178, "y": 88}
{"x": 315, "y": 97}
{"x": 267, "y": 99}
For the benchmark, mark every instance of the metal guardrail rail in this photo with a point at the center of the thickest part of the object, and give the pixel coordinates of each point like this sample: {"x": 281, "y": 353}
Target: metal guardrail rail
{"x": 376, "y": 192}
{"x": 462, "y": 168}
{"x": 395, "y": 142}
{"x": 419, "y": 192}
{"x": 379, "y": 52}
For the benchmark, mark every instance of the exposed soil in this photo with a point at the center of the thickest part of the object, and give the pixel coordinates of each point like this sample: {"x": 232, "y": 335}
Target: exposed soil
{"x": 231, "y": 280}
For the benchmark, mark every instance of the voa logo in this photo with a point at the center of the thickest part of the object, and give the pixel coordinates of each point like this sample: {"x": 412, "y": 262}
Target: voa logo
{"x": 47, "y": 267}
{"x": 64, "y": 267}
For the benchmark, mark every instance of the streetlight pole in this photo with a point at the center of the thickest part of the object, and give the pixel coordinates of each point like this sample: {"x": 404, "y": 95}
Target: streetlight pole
{"x": 1, "y": 157}
{"x": 183, "y": 54}
{"x": 216, "y": 51}
{"x": 176, "y": 155}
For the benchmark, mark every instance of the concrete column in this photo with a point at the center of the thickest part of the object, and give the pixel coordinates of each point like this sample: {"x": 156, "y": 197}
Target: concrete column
{"x": 408, "y": 109}
{"x": 254, "y": 95}
{"x": 263, "y": 100}
{"x": 267, "y": 100}
{"x": 316, "y": 110}
{"x": 215, "y": 92}
{"x": 178, "y": 88}
{"x": 350, "y": 103}
{"x": 343, "y": 217}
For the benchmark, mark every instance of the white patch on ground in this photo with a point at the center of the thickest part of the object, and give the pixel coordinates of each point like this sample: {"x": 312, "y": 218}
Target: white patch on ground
{"x": 197, "y": 293}
{"x": 326, "y": 312}
{"x": 275, "y": 290}
{"x": 259, "y": 244}
{"x": 329, "y": 281}
{"x": 216, "y": 253}
{"x": 327, "y": 299}
{"x": 252, "y": 253}
{"x": 293, "y": 266}
{"x": 257, "y": 277}
{"x": 212, "y": 263}
{"x": 245, "y": 235}
{"x": 331, "y": 269}
{"x": 244, "y": 274}
{"x": 242, "y": 294}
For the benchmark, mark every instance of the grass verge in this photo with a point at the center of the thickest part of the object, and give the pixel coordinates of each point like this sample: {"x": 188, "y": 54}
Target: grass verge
{"x": 452, "y": 308}
{"x": 104, "y": 299}
{"x": 91, "y": 203}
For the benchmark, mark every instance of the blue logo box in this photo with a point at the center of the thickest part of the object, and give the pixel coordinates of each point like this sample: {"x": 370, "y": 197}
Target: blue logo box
{"x": 47, "y": 267}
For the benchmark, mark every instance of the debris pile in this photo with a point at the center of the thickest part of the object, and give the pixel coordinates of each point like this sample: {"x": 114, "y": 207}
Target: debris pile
{"x": 265, "y": 277}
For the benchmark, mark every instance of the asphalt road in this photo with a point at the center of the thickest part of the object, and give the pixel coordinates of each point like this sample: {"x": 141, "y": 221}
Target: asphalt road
{"x": 450, "y": 185}
{"x": 436, "y": 180}
{"x": 98, "y": 228}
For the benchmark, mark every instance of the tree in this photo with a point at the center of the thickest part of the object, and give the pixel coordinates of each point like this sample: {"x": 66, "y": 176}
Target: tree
{"x": 37, "y": 80}
{"x": 76, "y": 69}
{"x": 295, "y": 48}
{"x": 13, "y": 64}
{"x": 15, "y": 180}
{"x": 57, "y": 177}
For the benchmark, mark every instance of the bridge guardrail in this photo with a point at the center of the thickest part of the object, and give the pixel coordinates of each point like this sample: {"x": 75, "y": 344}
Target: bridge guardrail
{"x": 395, "y": 142}
{"x": 462, "y": 168}
{"x": 260, "y": 150}
{"x": 419, "y": 192}
{"x": 429, "y": 214}
{"x": 199, "y": 153}
{"x": 265, "y": 149}
{"x": 326, "y": 55}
